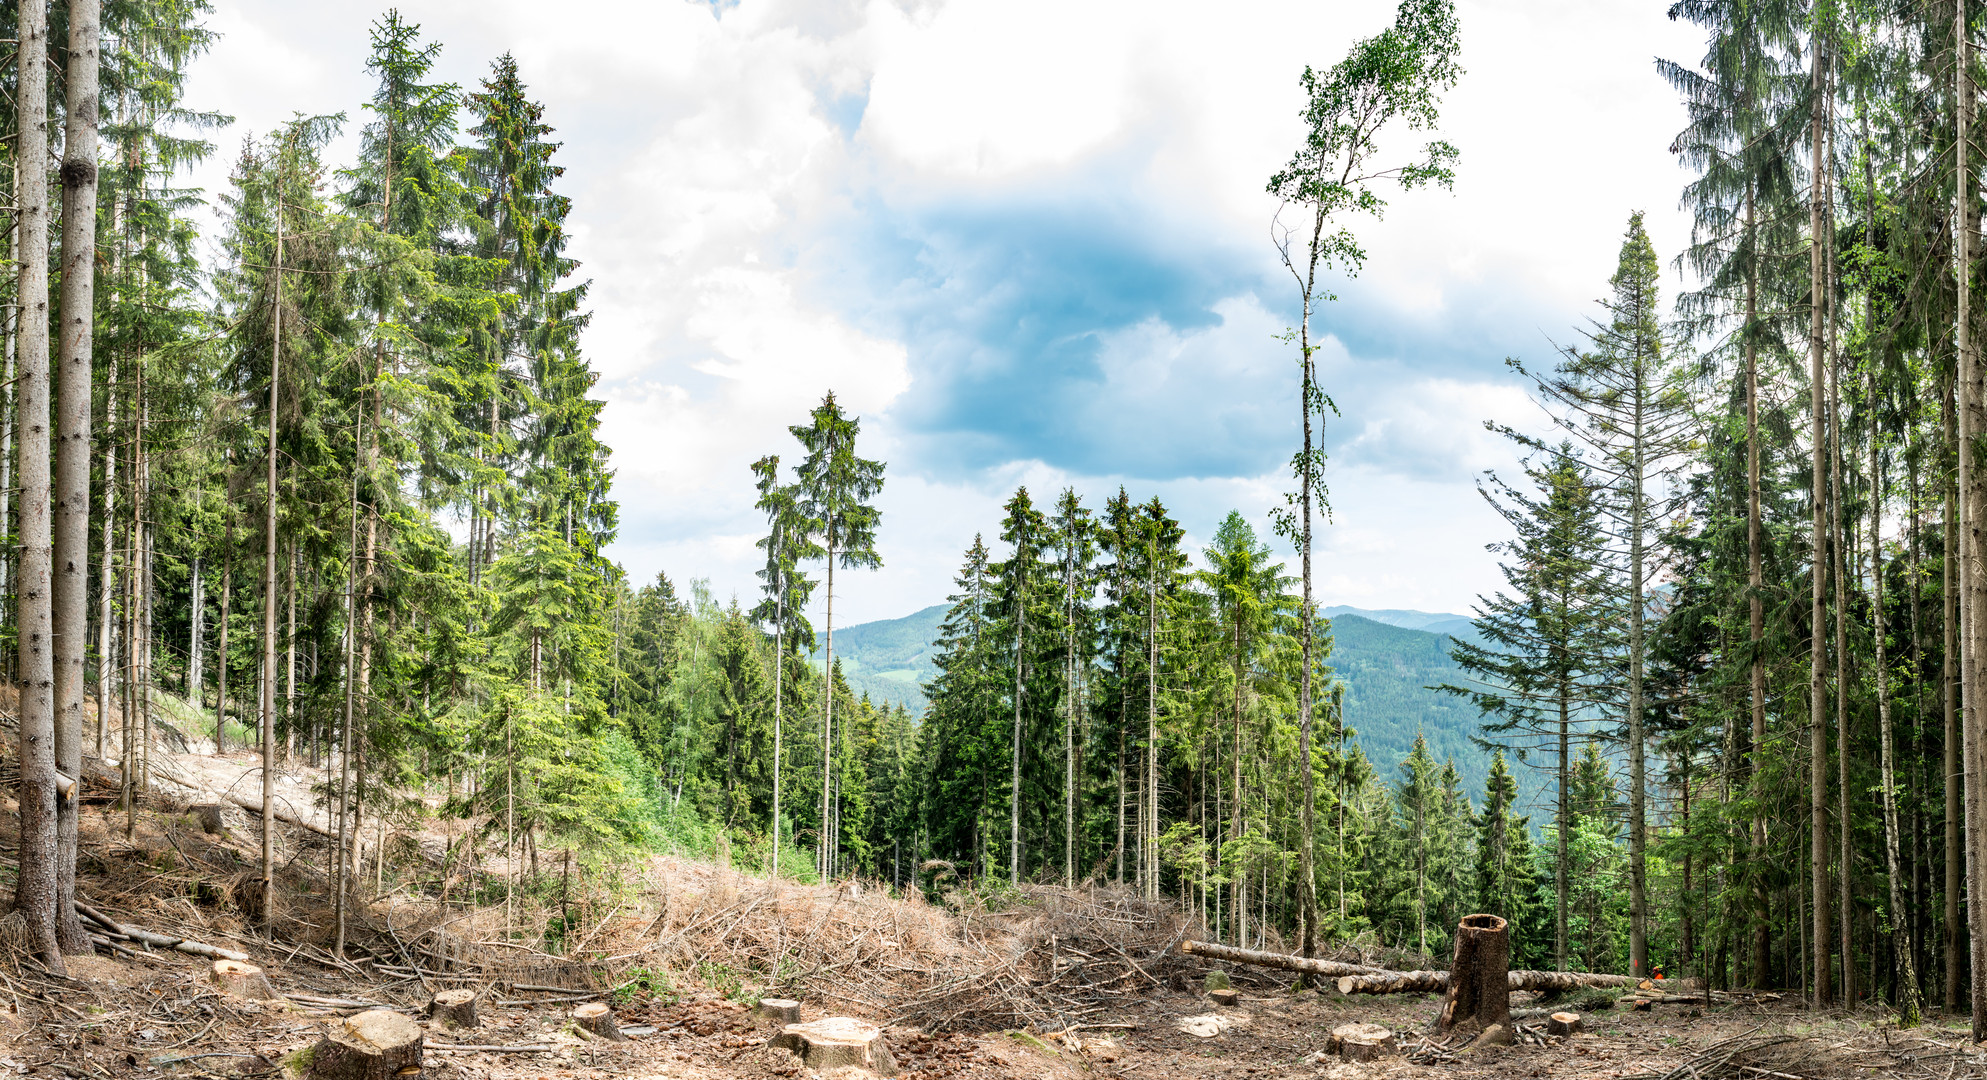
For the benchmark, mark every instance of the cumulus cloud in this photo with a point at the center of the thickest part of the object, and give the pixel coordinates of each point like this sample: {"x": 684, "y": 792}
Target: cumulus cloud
{"x": 1028, "y": 242}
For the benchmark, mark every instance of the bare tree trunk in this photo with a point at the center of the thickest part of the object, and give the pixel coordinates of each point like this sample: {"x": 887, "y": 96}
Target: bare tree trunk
{"x": 828, "y": 727}
{"x": 1949, "y": 675}
{"x": 221, "y": 644}
{"x": 1020, "y": 688}
{"x": 1837, "y": 542}
{"x": 1907, "y": 970}
{"x": 1817, "y": 644}
{"x": 71, "y": 614}
{"x": 268, "y": 680}
{"x": 36, "y": 891}
{"x": 1973, "y": 503}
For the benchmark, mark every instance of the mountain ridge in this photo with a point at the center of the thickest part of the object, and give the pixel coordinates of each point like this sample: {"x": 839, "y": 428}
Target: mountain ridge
{"x": 1388, "y": 669}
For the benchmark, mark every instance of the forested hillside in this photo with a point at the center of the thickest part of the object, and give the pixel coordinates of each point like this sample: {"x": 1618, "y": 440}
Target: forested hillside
{"x": 339, "y": 496}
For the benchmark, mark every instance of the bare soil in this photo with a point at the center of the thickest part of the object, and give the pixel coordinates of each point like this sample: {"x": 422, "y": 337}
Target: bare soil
{"x": 1059, "y": 983}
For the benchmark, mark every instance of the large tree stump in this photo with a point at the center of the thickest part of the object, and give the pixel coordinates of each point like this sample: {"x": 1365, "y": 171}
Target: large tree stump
{"x": 837, "y": 1041}
{"x": 237, "y": 979}
{"x": 1562, "y": 1024}
{"x": 1479, "y": 989}
{"x": 597, "y": 1019}
{"x": 784, "y": 1010}
{"x": 1362, "y": 1042}
{"x": 454, "y": 1009}
{"x": 374, "y": 1045}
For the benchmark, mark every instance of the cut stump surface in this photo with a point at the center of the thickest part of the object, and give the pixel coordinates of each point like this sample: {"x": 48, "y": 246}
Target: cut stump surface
{"x": 237, "y": 979}
{"x": 838, "y": 1041}
{"x": 1562, "y": 1023}
{"x": 454, "y": 1009}
{"x": 373, "y": 1045}
{"x": 597, "y": 1019}
{"x": 1229, "y": 998}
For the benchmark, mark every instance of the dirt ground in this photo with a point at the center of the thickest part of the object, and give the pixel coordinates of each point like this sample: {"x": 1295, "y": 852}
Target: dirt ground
{"x": 118, "y": 1018}
{"x": 1060, "y": 983}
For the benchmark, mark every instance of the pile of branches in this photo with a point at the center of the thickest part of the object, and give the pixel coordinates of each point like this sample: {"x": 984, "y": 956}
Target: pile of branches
{"x": 1074, "y": 954}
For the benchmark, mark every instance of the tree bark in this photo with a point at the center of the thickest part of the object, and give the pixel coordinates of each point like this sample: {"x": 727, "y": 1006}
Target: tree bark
{"x": 72, "y": 447}
{"x": 37, "y": 887}
{"x": 1479, "y": 973}
{"x": 1232, "y": 955}
{"x": 1817, "y": 644}
{"x": 1437, "y": 982}
{"x": 268, "y": 680}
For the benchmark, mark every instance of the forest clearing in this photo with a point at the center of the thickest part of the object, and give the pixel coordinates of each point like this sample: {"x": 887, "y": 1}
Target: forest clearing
{"x": 1058, "y": 983}
{"x": 405, "y": 675}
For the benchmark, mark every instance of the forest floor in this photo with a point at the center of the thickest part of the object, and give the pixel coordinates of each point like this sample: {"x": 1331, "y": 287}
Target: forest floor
{"x": 1054, "y": 984}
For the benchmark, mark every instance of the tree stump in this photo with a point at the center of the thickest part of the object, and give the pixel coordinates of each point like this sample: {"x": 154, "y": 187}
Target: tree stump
{"x": 1362, "y": 1042}
{"x": 237, "y": 979}
{"x": 1562, "y": 1023}
{"x": 1230, "y": 998}
{"x": 598, "y": 1020}
{"x": 1492, "y": 1035}
{"x": 1479, "y": 975}
{"x": 374, "y": 1045}
{"x": 783, "y": 1010}
{"x": 836, "y": 1041}
{"x": 209, "y": 817}
{"x": 454, "y": 1009}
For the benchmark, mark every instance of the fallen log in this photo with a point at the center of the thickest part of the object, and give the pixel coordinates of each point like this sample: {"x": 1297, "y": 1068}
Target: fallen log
{"x": 162, "y": 941}
{"x": 1437, "y": 982}
{"x": 1330, "y": 968}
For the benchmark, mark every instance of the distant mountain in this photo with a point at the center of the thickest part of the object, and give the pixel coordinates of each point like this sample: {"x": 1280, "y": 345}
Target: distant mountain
{"x": 1436, "y": 622}
{"x": 889, "y": 659}
{"x": 1387, "y": 667}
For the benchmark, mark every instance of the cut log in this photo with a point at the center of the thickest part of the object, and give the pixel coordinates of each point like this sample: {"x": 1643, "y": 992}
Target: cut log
{"x": 1562, "y": 1024}
{"x": 598, "y": 1020}
{"x": 242, "y": 980}
{"x": 837, "y": 1041}
{"x": 374, "y": 1045}
{"x": 1395, "y": 982}
{"x": 454, "y": 1009}
{"x": 1228, "y": 998}
{"x": 209, "y": 817}
{"x": 1479, "y": 975}
{"x": 162, "y": 941}
{"x": 1330, "y": 968}
{"x": 1436, "y": 982}
{"x": 783, "y": 1010}
{"x": 1362, "y": 1042}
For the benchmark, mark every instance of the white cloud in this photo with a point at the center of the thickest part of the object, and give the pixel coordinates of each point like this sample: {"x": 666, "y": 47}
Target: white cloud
{"x": 705, "y": 153}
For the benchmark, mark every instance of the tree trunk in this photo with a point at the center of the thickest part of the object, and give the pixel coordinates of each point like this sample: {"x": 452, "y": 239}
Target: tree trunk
{"x": 268, "y": 679}
{"x": 1437, "y": 982}
{"x": 1952, "y": 938}
{"x": 1817, "y": 645}
{"x": 1479, "y": 974}
{"x": 71, "y": 556}
{"x": 374, "y": 1045}
{"x": 1310, "y": 965}
{"x": 37, "y": 887}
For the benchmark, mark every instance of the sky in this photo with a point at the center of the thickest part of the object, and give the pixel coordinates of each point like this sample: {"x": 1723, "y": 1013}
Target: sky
{"x": 1028, "y": 243}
